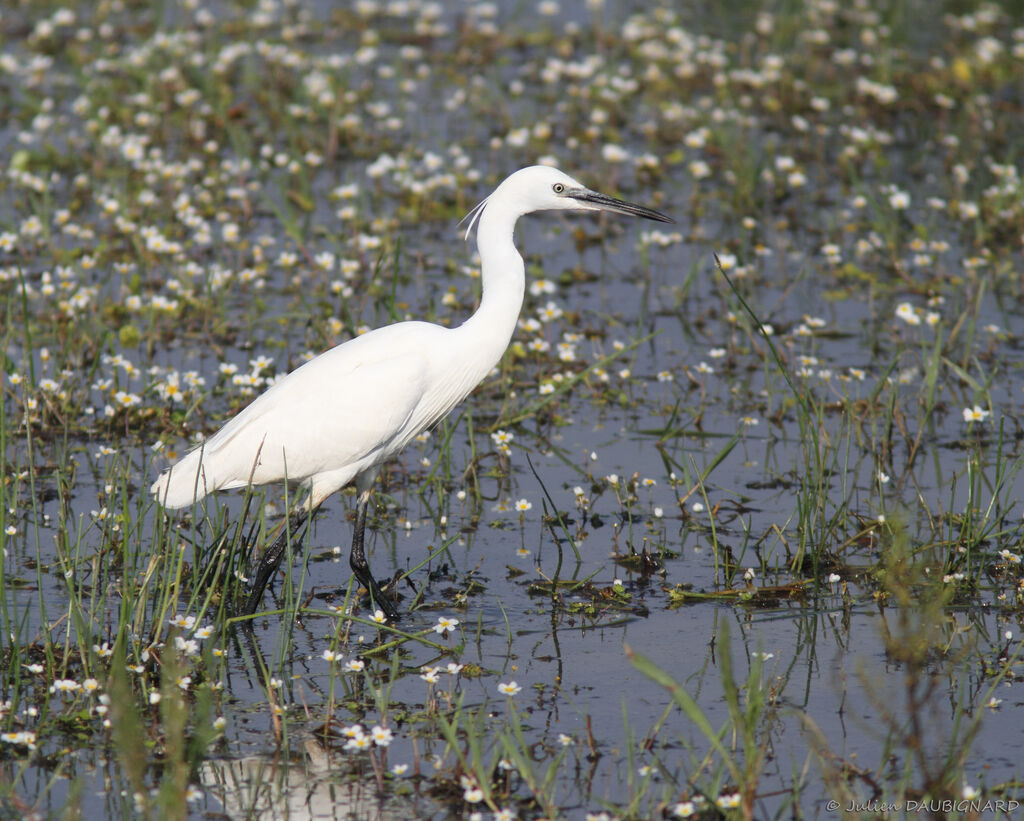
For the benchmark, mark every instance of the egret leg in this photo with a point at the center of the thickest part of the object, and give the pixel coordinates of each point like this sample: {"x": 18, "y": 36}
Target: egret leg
{"x": 361, "y": 567}
{"x": 271, "y": 560}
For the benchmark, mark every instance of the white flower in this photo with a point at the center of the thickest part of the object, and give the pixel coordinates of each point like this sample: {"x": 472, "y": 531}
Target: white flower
{"x": 445, "y": 623}
{"x": 908, "y": 313}
{"x": 614, "y": 153}
{"x": 899, "y": 200}
{"x": 728, "y": 800}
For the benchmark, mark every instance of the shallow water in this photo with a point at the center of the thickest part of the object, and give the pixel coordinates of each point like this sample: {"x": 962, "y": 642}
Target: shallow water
{"x": 820, "y": 617}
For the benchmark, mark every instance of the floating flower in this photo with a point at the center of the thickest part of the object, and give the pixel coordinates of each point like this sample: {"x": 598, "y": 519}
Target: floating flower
{"x": 187, "y": 647}
{"x": 445, "y": 623}
{"x": 22, "y": 738}
{"x": 899, "y": 200}
{"x": 728, "y": 801}
{"x": 549, "y": 312}
{"x": 359, "y": 743}
{"x": 381, "y": 736}
{"x": 502, "y": 437}
{"x": 727, "y": 261}
{"x": 699, "y": 169}
{"x": 614, "y": 153}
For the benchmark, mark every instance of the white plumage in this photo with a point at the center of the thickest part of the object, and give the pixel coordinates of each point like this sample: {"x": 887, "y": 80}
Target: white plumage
{"x": 334, "y": 420}
{"x": 342, "y": 413}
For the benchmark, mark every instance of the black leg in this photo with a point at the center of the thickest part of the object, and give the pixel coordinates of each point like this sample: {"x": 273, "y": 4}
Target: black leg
{"x": 361, "y": 567}
{"x": 271, "y": 559}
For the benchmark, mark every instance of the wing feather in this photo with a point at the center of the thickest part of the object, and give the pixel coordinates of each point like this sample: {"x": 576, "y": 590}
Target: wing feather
{"x": 351, "y": 407}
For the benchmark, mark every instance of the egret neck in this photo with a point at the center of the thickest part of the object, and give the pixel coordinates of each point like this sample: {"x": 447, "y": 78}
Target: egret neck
{"x": 503, "y": 278}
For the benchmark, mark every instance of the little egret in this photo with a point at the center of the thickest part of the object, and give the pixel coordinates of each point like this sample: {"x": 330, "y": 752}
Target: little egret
{"x": 336, "y": 419}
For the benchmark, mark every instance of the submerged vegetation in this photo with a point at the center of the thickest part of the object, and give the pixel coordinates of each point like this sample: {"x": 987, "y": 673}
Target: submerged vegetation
{"x": 735, "y": 529}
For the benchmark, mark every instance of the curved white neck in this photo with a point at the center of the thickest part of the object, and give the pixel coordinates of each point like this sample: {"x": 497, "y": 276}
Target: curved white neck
{"x": 503, "y": 276}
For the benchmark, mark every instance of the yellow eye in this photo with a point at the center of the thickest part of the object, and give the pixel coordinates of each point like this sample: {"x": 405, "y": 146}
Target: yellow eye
{"x": 558, "y": 188}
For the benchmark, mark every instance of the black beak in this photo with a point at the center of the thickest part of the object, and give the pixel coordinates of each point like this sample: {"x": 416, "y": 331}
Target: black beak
{"x": 606, "y": 203}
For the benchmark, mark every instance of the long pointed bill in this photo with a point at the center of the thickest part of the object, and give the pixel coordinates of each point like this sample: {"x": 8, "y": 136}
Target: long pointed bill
{"x": 603, "y": 202}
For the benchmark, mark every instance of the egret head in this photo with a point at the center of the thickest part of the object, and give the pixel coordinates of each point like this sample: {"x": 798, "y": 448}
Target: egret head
{"x": 541, "y": 188}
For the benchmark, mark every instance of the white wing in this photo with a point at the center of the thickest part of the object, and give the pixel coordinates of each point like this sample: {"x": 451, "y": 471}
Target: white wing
{"x": 339, "y": 414}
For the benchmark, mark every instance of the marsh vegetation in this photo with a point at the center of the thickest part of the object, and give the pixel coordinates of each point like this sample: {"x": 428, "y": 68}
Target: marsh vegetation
{"x": 733, "y": 530}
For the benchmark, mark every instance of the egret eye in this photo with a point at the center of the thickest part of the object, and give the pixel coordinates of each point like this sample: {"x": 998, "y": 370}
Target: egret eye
{"x": 558, "y": 188}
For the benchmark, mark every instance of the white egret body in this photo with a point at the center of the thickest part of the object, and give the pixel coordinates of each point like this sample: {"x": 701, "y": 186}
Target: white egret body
{"x": 336, "y": 419}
